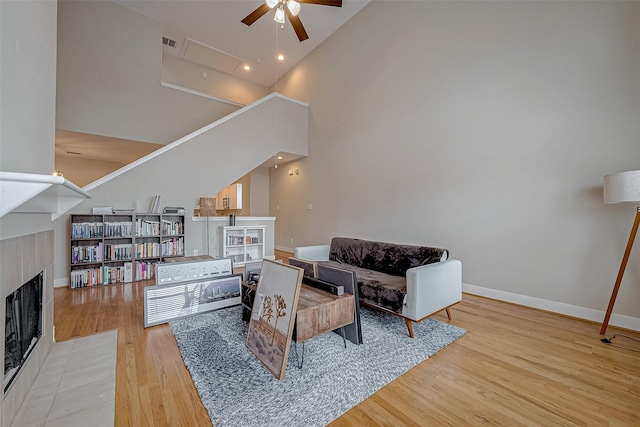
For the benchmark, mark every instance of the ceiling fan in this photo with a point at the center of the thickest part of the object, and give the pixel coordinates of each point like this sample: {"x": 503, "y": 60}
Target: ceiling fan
{"x": 289, "y": 7}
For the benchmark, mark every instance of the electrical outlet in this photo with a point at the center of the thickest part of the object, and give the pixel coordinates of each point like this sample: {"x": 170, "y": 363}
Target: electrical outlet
{"x": 292, "y": 240}
{"x": 309, "y": 206}
{"x": 195, "y": 252}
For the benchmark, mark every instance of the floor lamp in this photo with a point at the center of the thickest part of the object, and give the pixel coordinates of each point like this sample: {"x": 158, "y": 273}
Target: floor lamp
{"x": 623, "y": 187}
{"x": 207, "y": 208}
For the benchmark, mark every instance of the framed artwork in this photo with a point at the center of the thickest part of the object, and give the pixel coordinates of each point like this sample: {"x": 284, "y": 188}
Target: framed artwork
{"x": 349, "y": 281}
{"x": 273, "y": 315}
{"x": 251, "y": 270}
{"x": 310, "y": 267}
{"x": 174, "y": 300}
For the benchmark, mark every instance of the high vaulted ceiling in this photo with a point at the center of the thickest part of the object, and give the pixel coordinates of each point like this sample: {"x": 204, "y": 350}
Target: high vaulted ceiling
{"x": 96, "y": 147}
{"x": 216, "y": 23}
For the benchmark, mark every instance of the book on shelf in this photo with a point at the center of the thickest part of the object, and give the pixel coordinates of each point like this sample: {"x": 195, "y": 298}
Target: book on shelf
{"x": 147, "y": 250}
{"x": 98, "y": 276}
{"x": 145, "y": 270}
{"x": 118, "y": 252}
{"x": 128, "y": 272}
{"x": 145, "y": 227}
{"x": 117, "y": 229}
{"x": 172, "y": 227}
{"x": 155, "y": 204}
{"x": 86, "y": 254}
{"x": 86, "y": 230}
{"x": 173, "y": 247}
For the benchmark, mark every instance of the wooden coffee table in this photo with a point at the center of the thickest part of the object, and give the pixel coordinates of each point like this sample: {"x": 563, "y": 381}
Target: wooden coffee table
{"x": 318, "y": 311}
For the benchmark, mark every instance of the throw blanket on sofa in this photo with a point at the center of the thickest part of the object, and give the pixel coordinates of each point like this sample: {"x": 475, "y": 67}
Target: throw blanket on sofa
{"x": 381, "y": 267}
{"x": 375, "y": 288}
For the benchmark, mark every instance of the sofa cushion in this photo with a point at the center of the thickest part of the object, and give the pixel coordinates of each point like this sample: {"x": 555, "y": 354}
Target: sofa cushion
{"x": 389, "y": 258}
{"x": 375, "y": 288}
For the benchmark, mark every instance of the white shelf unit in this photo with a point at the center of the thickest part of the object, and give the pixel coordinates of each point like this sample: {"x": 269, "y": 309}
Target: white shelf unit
{"x": 242, "y": 243}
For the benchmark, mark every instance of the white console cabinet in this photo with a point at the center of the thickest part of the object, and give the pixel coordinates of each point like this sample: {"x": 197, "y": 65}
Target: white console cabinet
{"x": 242, "y": 243}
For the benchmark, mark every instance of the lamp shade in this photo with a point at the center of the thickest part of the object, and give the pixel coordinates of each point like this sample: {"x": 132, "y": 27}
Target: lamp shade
{"x": 294, "y": 7}
{"x": 623, "y": 187}
{"x": 279, "y": 17}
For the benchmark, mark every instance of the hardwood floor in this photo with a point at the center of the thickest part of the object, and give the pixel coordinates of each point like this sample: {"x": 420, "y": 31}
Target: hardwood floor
{"x": 515, "y": 366}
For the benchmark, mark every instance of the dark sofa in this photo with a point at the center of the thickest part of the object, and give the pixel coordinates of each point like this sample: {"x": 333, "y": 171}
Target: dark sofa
{"x": 409, "y": 281}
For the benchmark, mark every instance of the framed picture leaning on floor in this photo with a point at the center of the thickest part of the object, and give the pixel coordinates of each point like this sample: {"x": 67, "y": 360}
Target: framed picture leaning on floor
{"x": 273, "y": 315}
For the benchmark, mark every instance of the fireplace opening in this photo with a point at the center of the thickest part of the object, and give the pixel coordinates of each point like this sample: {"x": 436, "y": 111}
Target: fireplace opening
{"x": 23, "y": 326}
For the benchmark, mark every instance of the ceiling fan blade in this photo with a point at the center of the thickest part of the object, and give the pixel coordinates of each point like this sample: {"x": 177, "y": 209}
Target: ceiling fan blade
{"x": 256, "y": 14}
{"x": 296, "y": 23}
{"x": 335, "y": 3}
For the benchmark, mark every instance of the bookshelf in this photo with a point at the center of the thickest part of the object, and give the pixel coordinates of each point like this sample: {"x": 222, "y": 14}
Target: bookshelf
{"x": 108, "y": 249}
{"x": 172, "y": 236}
{"x": 146, "y": 246}
{"x": 242, "y": 243}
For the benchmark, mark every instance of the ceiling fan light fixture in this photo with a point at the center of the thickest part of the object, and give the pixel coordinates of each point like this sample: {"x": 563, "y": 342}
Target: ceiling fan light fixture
{"x": 292, "y": 10}
{"x": 279, "y": 18}
{"x": 294, "y": 7}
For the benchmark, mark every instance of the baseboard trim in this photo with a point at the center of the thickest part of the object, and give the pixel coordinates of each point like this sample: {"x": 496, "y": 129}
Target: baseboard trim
{"x": 61, "y": 283}
{"x": 589, "y": 314}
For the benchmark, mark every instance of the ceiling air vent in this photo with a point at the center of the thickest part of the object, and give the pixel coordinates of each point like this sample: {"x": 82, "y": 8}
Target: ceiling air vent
{"x": 201, "y": 54}
{"x": 168, "y": 42}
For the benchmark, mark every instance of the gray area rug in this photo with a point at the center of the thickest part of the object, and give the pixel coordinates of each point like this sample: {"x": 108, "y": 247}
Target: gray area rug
{"x": 238, "y": 390}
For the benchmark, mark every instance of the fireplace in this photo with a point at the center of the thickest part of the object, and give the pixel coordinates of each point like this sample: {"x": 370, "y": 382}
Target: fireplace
{"x": 23, "y": 260}
{"x": 23, "y": 326}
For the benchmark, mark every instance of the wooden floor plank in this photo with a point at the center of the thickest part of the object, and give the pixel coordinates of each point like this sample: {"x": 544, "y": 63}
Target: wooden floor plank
{"x": 515, "y": 366}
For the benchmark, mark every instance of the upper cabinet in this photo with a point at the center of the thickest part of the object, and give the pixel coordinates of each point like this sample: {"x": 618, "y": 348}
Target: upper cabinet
{"x": 235, "y": 196}
{"x": 222, "y": 194}
{"x": 230, "y": 197}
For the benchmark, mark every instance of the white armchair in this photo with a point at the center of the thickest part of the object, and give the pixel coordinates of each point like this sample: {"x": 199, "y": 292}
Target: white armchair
{"x": 312, "y": 253}
{"x": 432, "y": 288}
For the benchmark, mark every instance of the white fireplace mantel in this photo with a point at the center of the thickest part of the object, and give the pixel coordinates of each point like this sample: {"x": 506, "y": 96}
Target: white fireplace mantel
{"x": 36, "y": 193}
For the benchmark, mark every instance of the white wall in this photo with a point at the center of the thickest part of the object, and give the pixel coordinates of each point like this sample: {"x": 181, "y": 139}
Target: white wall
{"x": 259, "y": 195}
{"x": 27, "y": 132}
{"x": 82, "y": 171}
{"x": 109, "y": 66}
{"x": 190, "y": 168}
{"x": 219, "y": 85}
{"x": 482, "y": 127}
{"x": 28, "y": 81}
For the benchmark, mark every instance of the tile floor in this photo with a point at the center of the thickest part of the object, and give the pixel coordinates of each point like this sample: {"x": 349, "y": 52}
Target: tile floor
{"x": 76, "y": 385}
